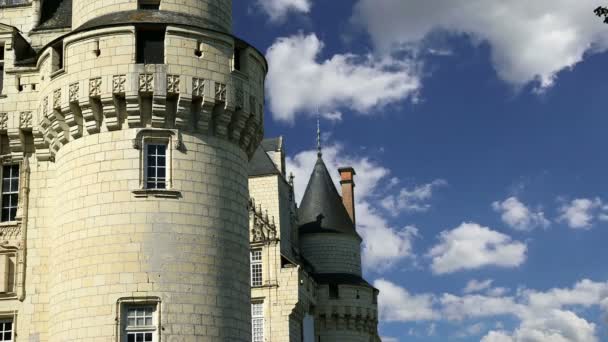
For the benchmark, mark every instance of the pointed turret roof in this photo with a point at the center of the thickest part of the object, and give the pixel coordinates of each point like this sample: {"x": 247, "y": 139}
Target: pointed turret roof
{"x": 321, "y": 209}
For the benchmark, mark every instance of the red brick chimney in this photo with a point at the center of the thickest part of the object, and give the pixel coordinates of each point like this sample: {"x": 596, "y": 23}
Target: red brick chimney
{"x": 347, "y": 179}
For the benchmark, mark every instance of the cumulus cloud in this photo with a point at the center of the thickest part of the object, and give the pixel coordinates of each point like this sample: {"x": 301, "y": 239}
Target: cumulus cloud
{"x": 581, "y": 213}
{"x": 397, "y": 304}
{"x": 555, "y": 326}
{"x": 300, "y": 82}
{"x": 412, "y": 200}
{"x": 518, "y": 216}
{"x": 472, "y": 246}
{"x": 551, "y": 315}
{"x": 384, "y": 245}
{"x": 278, "y": 9}
{"x": 515, "y": 30}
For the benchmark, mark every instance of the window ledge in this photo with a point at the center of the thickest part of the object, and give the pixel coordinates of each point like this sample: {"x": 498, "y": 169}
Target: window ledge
{"x": 158, "y": 193}
{"x": 9, "y": 224}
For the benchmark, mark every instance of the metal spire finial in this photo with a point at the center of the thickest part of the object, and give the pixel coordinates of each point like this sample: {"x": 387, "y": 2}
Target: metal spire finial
{"x": 319, "y": 150}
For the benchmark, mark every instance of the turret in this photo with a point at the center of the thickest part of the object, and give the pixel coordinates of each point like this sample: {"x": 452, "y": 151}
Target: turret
{"x": 346, "y": 304}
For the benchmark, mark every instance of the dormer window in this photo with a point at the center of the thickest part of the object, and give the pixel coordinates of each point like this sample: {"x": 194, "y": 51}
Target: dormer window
{"x": 149, "y": 5}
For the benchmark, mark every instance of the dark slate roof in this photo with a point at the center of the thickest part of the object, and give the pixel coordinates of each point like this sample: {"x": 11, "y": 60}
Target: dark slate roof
{"x": 261, "y": 164}
{"x": 55, "y": 14}
{"x": 149, "y": 17}
{"x": 272, "y": 144}
{"x": 340, "y": 279}
{"x": 321, "y": 209}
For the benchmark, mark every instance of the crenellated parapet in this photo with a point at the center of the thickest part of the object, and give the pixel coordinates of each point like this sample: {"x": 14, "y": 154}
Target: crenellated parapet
{"x": 91, "y": 82}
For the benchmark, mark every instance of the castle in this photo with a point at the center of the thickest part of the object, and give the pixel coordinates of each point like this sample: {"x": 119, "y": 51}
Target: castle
{"x": 139, "y": 200}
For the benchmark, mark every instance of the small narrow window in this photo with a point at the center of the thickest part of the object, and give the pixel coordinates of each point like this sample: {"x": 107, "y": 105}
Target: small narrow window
{"x": 139, "y": 324}
{"x": 150, "y": 46}
{"x": 1, "y": 68}
{"x": 58, "y": 60}
{"x": 334, "y": 291}
{"x": 10, "y": 192}
{"x": 237, "y": 59}
{"x": 6, "y": 330}
{"x": 257, "y": 322}
{"x": 149, "y": 4}
{"x": 256, "y": 268}
{"x": 156, "y": 166}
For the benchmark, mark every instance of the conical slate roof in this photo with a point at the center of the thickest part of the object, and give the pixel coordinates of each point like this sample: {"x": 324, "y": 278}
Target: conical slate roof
{"x": 321, "y": 209}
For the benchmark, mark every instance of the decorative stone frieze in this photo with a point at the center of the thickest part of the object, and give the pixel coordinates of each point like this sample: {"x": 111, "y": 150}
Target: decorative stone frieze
{"x": 146, "y": 83}
{"x": 172, "y": 84}
{"x": 57, "y": 99}
{"x": 3, "y": 121}
{"x": 220, "y": 92}
{"x": 118, "y": 84}
{"x": 198, "y": 87}
{"x": 74, "y": 92}
{"x": 263, "y": 228}
{"x": 25, "y": 119}
{"x": 95, "y": 87}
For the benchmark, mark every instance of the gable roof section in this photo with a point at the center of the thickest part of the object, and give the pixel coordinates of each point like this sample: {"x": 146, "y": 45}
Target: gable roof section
{"x": 261, "y": 164}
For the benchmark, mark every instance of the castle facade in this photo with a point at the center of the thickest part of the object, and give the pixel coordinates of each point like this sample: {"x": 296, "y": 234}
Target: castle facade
{"x": 130, "y": 209}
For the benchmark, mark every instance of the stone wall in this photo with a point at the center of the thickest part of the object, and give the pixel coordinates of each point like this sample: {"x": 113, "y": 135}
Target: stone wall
{"x": 190, "y": 251}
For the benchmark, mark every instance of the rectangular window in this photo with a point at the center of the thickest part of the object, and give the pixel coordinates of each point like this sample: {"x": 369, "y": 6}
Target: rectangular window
{"x": 10, "y": 192}
{"x": 6, "y": 330}
{"x": 149, "y": 4}
{"x": 257, "y": 322}
{"x": 156, "y": 166}
{"x": 334, "y": 291}
{"x": 150, "y": 46}
{"x": 140, "y": 324}
{"x": 256, "y": 268}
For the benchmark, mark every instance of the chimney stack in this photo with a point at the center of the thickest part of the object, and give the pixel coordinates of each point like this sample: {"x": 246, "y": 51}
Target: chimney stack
{"x": 347, "y": 179}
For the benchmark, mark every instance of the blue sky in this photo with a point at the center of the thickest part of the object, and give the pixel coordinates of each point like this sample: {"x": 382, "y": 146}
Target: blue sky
{"x": 478, "y": 133}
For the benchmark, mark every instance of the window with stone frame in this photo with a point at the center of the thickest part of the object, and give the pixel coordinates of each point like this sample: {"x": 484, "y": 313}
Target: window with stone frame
{"x": 10, "y": 192}
{"x": 155, "y": 171}
{"x": 257, "y": 321}
{"x": 6, "y": 330}
{"x": 139, "y": 322}
{"x": 256, "y": 268}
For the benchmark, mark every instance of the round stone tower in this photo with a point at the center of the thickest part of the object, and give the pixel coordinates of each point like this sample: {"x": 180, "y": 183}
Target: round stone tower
{"x": 150, "y": 111}
{"x": 347, "y": 308}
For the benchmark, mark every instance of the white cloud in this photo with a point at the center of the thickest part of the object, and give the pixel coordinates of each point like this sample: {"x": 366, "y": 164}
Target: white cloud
{"x": 278, "y": 9}
{"x": 515, "y": 30}
{"x": 580, "y": 213}
{"x": 518, "y": 216}
{"x": 497, "y": 336}
{"x": 477, "y": 286}
{"x": 541, "y": 316}
{"x": 412, "y": 200}
{"x": 299, "y": 82}
{"x": 397, "y": 304}
{"x": 383, "y": 244}
{"x": 554, "y": 326}
{"x": 471, "y": 246}
{"x": 332, "y": 116}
